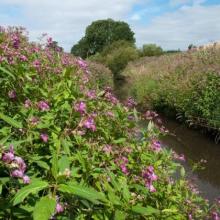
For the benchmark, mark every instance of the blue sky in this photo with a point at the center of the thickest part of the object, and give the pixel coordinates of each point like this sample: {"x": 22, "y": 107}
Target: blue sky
{"x": 172, "y": 24}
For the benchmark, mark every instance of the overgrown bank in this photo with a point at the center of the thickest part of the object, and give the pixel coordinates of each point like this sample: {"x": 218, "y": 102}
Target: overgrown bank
{"x": 69, "y": 150}
{"x": 186, "y": 85}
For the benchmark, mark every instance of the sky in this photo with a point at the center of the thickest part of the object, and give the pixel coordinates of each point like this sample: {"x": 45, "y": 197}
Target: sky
{"x": 172, "y": 24}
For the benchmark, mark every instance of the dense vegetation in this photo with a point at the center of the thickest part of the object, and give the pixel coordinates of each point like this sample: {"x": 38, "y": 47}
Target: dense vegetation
{"x": 102, "y": 33}
{"x": 116, "y": 56}
{"x": 70, "y": 150}
{"x": 184, "y": 84}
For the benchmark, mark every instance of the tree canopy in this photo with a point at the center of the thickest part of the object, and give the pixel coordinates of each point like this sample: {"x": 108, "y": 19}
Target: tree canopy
{"x": 100, "y": 34}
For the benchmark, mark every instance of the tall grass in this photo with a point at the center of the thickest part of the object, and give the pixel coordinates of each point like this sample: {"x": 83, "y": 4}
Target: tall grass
{"x": 187, "y": 84}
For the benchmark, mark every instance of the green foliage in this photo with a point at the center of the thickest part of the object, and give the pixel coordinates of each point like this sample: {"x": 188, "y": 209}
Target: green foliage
{"x": 118, "y": 59}
{"x": 117, "y": 55}
{"x": 149, "y": 50}
{"x": 186, "y": 83}
{"x": 33, "y": 188}
{"x": 100, "y": 34}
{"x": 80, "y": 151}
{"x": 44, "y": 209}
{"x": 81, "y": 49}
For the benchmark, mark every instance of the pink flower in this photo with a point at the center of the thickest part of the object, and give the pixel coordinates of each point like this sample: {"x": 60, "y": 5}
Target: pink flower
{"x": 12, "y": 94}
{"x": 8, "y": 157}
{"x": 44, "y": 138}
{"x": 107, "y": 148}
{"x": 124, "y": 169}
{"x": 150, "y": 187}
{"x": 215, "y": 216}
{"x": 17, "y": 174}
{"x": 27, "y": 103}
{"x": 34, "y": 120}
{"x": 80, "y": 107}
{"x": 59, "y": 208}
{"x": 89, "y": 124}
{"x": 111, "y": 98}
{"x": 36, "y": 64}
{"x": 23, "y": 58}
{"x": 26, "y": 179}
{"x": 91, "y": 94}
{"x": 149, "y": 176}
{"x": 16, "y": 41}
{"x": 82, "y": 64}
{"x": 156, "y": 146}
{"x": 131, "y": 103}
{"x": 20, "y": 162}
{"x": 43, "y": 106}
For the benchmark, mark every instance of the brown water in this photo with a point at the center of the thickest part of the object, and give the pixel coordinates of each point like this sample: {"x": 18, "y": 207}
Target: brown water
{"x": 195, "y": 146}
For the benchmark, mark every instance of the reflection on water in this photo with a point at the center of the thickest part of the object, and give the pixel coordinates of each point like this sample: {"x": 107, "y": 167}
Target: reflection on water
{"x": 194, "y": 146}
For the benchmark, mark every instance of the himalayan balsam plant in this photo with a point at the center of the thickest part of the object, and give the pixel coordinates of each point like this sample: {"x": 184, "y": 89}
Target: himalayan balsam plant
{"x": 72, "y": 151}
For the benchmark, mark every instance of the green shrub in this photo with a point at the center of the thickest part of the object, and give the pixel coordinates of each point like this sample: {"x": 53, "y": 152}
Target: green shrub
{"x": 149, "y": 50}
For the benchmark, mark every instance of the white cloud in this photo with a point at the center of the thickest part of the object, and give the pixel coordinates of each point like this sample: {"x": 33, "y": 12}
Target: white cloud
{"x": 195, "y": 24}
{"x": 65, "y": 20}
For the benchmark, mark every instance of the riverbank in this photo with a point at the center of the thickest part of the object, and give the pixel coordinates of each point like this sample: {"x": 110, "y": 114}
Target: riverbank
{"x": 184, "y": 85}
{"x": 196, "y": 147}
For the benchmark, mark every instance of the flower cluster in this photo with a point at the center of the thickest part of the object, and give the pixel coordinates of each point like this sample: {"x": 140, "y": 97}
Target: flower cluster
{"x": 156, "y": 146}
{"x": 43, "y": 106}
{"x": 80, "y": 107}
{"x": 82, "y": 64}
{"x": 89, "y": 123}
{"x": 16, "y": 164}
{"x": 122, "y": 162}
{"x": 12, "y": 94}
{"x": 130, "y": 102}
{"x": 149, "y": 177}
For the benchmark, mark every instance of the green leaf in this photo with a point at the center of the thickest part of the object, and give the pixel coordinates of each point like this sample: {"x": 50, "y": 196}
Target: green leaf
{"x": 63, "y": 163}
{"x": 7, "y": 72}
{"x": 119, "y": 215}
{"x": 10, "y": 121}
{"x": 44, "y": 209}
{"x": 42, "y": 164}
{"x": 83, "y": 192}
{"x": 4, "y": 140}
{"x": 66, "y": 146}
{"x": 33, "y": 188}
{"x": 146, "y": 211}
{"x": 119, "y": 141}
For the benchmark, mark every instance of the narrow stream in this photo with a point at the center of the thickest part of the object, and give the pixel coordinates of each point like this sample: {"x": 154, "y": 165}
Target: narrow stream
{"x": 195, "y": 146}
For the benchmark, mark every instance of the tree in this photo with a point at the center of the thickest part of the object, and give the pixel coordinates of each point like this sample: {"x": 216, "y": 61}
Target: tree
{"x": 151, "y": 50}
{"x": 100, "y": 34}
